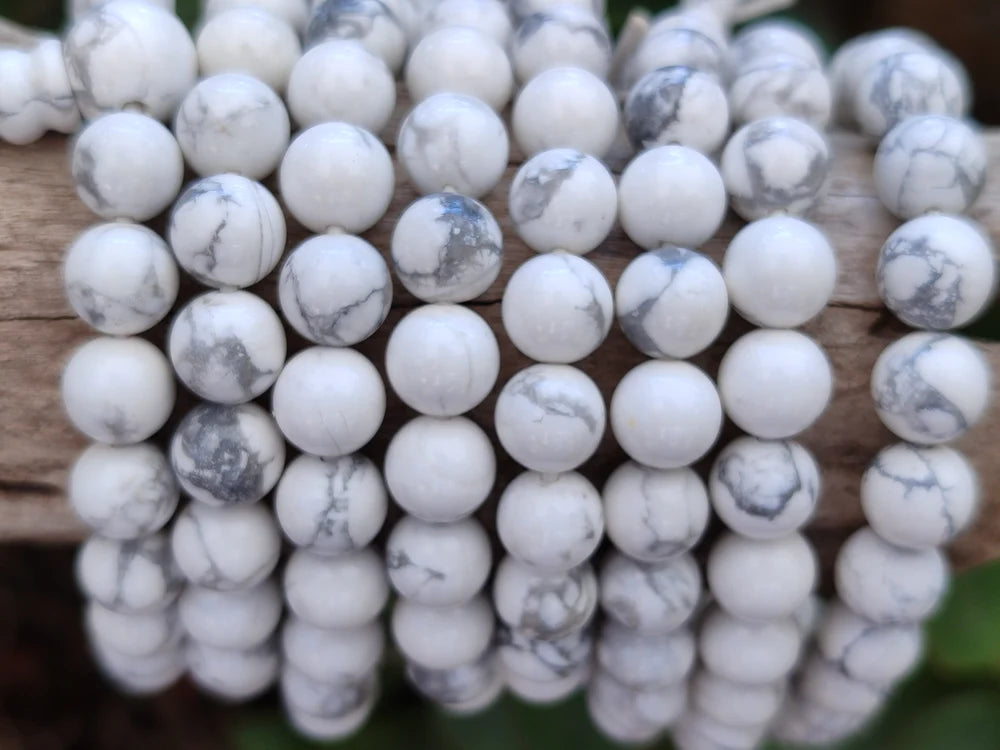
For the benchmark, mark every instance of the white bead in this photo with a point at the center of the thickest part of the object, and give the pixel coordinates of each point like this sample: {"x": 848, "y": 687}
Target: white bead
{"x": 930, "y": 388}
{"x": 128, "y": 576}
{"x": 248, "y": 40}
{"x": 697, "y": 731}
{"x": 563, "y": 199}
{"x": 614, "y": 717}
{"x": 36, "y": 95}
{"x": 328, "y": 700}
{"x": 764, "y": 489}
{"x": 772, "y": 35}
{"x": 559, "y": 35}
{"x": 821, "y": 682}
{"x": 671, "y": 302}
{"x": 331, "y": 505}
{"x": 735, "y": 703}
{"x": 557, "y": 308}
{"x": 227, "y": 455}
{"x": 453, "y": 142}
{"x": 653, "y": 598}
{"x": 908, "y": 586}
{"x": 118, "y": 390}
{"x": 232, "y": 674}
{"x": 677, "y": 104}
{"x": 488, "y": 16}
{"x": 438, "y": 564}
{"x": 442, "y": 637}
{"x": 227, "y": 231}
{"x": 293, "y": 12}
{"x": 937, "y": 272}
{"x": 565, "y": 108}
{"x": 761, "y": 579}
{"x": 780, "y": 271}
{"x": 335, "y": 289}
{"x": 779, "y": 83}
{"x": 126, "y": 166}
{"x": 440, "y": 469}
{"x": 800, "y": 721}
{"x": 551, "y": 523}
{"x": 671, "y": 195}
{"x": 544, "y": 605}
{"x": 543, "y": 692}
{"x": 342, "y": 591}
{"x": 550, "y": 418}
{"x": 77, "y": 8}
{"x": 643, "y": 660}
{"x": 919, "y": 497}
{"x": 652, "y": 706}
{"x": 326, "y": 729}
{"x": 332, "y": 655}
{"x": 336, "y": 176}
{"x": 329, "y": 402}
{"x": 227, "y": 347}
{"x": 543, "y": 659}
{"x": 749, "y": 652}
{"x": 704, "y": 18}
{"x": 123, "y": 492}
{"x": 129, "y": 53}
{"x": 341, "y": 80}
{"x": 446, "y": 248}
{"x": 369, "y": 21}
{"x": 141, "y": 675}
{"x": 442, "y": 360}
{"x": 231, "y": 619}
{"x": 521, "y": 9}
{"x": 862, "y": 650}
{"x": 775, "y": 383}
{"x": 665, "y": 47}
{"x": 462, "y": 686}
{"x": 461, "y": 60}
{"x": 775, "y": 165}
{"x": 226, "y": 548}
{"x": 666, "y": 414}
{"x": 905, "y": 84}
{"x": 654, "y": 514}
{"x": 138, "y": 635}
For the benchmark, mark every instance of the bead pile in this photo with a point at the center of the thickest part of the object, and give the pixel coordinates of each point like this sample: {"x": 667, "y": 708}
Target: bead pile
{"x": 304, "y": 93}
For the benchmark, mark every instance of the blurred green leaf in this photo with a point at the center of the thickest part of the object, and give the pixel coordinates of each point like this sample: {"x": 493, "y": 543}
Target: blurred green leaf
{"x": 965, "y": 636}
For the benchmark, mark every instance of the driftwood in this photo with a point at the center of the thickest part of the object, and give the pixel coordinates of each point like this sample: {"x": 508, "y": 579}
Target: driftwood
{"x": 40, "y": 214}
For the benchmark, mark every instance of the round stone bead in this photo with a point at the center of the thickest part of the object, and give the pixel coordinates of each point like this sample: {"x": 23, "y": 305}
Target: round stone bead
{"x": 120, "y": 278}
{"x": 126, "y": 166}
{"x": 369, "y": 21}
{"x": 248, "y": 40}
{"x": 129, "y": 53}
{"x": 654, "y": 514}
{"x": 551, "y": 523}
{"x": 930, "y": 388}
{"x": 550, "y": 418}
{"x": 701, "y": 18}
{"x": 140, "y": 675}
{"x": 232, "y": 674}
{"x": 440, "y": 469}
{"x": 677, "y": 105}
{"x": 329, "y": 729}
{"x": 804, "y": 722}
{"x": 118, "y": 390}
{"x": 340, "y": 80}
{"x": 231, "y": 619}
{"x": 137, "y": 635}
{"x": 738, "y": 704}
{"x": 654, "y": 706}
{"x": 438, "y": 564}
{"x": 442, "y": 360}
{"x": 123, "y": 492}
{"x": 780, "y": 271}
{"x": 749, "y": 652}
{"x": 909, "y": 584}
{"x": 37, "y": 95}
{"x": 695, "y": 731}
{"x": 565, "y": 108}
{"x": 335, "y": 289}
{"x": 919, "y": 497}
{"x": 764, "y": 489}
{"x": 653, "y": 598}
{"x": 761, "y": 38}
{"x": 543, "y": 659}
{"x": 544, "y": 692}
{"x": 489, "y": 16}
{"x": 227, "y": 231}
{"x": 775, "y": 383}
{"x": 328, "y": 401}
{"x": 905, "y": 84}
{"x": 130, "y": 576}
{"x": 453, "y": 142}
{"x": 641, "y": 660}
{"x": 671, "y": 302}
{"x": 328, "y": 700}
{"x": 446, "y": 248}
{"x": 442, "y": 637}
{"x": 557, "y": 308}
{"x": 758, "y": 579}
{"x": 821, "y": 683}
{"x": 336, "y": 176}
{"x": 621, "y": 727}
{"x": 563, "y": 199}
{"x": 226, "y": 548}
{"x": 937, "y": 272}
{"x": 780, "y": 83}
{"x": 466, "y": 689}
{"x": 331, "y": 505}
{"x": 544, "y": 605}
{"x": 227, "y": 455}
{"x": 666, "y": 414}
{"x": 342, "y": 591}
{"x": 521, "y": 9}
{"x": 561, "y": 35}
{"x": 671, "y": 195}
{"x": 332, "y": 655}
{"x": 775, "y": 165}
{"x": 293, "y": 12}
{"x": 461, "y": 60}
{"x": 232, "y": 122}
{"x": 227, "y": 347}
{"x": 669, "y": 45}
